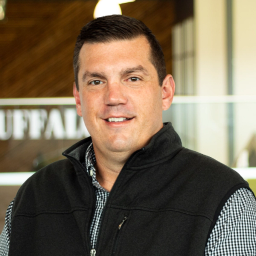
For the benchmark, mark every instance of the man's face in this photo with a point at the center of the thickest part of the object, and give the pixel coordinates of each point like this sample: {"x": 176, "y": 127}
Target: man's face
{"x": 119, "y": 95}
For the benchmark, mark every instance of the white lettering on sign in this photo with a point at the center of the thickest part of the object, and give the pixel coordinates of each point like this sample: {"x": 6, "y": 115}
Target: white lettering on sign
{"x": 54, "y": 126}
{"x": 70, "y": 123}
{"x": 5, "y": 124}
{"x": 19, "y": 123}
{"x": 35, "y": 124}
{"x": 37, "y": 120}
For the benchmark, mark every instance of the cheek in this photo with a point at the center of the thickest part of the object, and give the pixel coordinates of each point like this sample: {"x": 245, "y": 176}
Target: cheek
{"x": 150, "y": 105}
{"x": 153, "y": 99}
{"x": 87, "y": 108}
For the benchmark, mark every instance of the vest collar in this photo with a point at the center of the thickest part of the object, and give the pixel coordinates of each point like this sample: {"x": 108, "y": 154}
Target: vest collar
{"x": 164, "y": 144}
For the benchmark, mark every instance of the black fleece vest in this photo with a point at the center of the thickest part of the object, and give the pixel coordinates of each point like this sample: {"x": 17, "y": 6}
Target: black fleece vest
{"x": 165, "y": 202}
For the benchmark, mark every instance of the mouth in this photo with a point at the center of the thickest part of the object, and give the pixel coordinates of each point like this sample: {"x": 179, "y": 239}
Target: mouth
{"x": 117, "y": 119}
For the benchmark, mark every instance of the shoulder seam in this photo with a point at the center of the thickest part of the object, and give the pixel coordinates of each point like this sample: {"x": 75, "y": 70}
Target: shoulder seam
{"x": 223, "y": 202}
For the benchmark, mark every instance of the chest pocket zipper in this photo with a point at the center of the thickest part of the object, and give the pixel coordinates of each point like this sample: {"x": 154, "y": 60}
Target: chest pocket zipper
{"x": 119, "y": 228}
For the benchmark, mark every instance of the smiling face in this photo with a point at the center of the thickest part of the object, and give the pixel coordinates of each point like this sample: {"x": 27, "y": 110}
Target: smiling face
{"x": 119, "y": 95}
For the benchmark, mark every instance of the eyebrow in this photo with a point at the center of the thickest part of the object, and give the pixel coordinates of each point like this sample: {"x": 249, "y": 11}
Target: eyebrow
{"x": 123, "y": 72}
{"x": 134, "y": 69}
{"x": 93, "y": 74}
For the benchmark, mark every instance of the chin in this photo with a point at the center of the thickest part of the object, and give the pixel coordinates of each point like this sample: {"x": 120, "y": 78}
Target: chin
{"x": 119, "y": 146}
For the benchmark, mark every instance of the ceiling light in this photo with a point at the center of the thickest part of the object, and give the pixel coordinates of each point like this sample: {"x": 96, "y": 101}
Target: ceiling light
{"x": 2, "y": 9}
{"x": 124, "y": 1}
{"x": 109, "y": 7}
{"x": 106, "y": 7}
{"x": 1, "y": 13}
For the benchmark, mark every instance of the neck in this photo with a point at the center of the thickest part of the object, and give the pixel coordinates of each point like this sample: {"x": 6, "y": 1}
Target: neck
{"x": 108, "y": 167}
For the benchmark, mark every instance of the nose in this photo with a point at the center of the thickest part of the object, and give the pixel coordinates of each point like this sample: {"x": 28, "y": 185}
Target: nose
{"x": 115, "y": 94}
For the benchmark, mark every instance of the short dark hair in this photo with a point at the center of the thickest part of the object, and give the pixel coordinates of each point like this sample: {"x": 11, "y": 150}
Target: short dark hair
{"x": 114, "y": 28}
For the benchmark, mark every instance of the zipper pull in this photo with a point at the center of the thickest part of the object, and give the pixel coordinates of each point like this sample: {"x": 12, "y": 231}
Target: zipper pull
{"x": 123, "y": 221}
{"x": 92, "y": 252}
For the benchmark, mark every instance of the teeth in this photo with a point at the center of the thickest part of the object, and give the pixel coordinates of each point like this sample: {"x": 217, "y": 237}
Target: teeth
{"x": 117, "y": 119}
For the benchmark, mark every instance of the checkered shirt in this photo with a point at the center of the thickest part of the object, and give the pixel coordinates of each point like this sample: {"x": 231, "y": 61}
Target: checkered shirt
{"x": 101, "y": 196}
{"x": 233, "y": 234}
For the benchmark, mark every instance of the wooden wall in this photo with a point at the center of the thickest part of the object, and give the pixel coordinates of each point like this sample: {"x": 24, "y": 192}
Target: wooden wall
{"x": 37, "y": 41}
{"x": 36, "y": 50}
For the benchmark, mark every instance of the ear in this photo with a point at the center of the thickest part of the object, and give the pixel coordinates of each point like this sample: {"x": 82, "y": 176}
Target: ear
{"x": 77, "y": 99}
{"x": 168, "y": 89}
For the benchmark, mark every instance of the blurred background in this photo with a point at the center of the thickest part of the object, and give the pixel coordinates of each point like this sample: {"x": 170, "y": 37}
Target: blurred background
{"x": 209, "y": 47}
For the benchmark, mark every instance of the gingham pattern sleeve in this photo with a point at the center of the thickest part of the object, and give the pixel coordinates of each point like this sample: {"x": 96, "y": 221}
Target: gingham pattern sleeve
{"x": 6, "y": 233}
{"x": 235, "y": 230}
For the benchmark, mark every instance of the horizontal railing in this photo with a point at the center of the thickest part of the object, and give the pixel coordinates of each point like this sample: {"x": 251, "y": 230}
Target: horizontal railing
{"x": 177, "y": 99}
{"x": 11, "y": 179}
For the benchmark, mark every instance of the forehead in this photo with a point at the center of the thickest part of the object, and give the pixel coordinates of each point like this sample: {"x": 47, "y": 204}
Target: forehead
{"x": 136, "y": 48}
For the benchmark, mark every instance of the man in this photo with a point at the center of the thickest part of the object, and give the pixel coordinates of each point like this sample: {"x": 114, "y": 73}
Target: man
{"x": 131, "y": 188}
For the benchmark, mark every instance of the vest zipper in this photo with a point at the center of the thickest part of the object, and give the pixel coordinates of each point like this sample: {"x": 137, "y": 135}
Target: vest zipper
{"x": 118, "y": 232}
{"x": 92, "y": 252}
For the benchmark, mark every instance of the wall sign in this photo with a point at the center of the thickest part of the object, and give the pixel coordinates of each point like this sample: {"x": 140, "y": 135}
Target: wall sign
{"x": 39, "y": 123}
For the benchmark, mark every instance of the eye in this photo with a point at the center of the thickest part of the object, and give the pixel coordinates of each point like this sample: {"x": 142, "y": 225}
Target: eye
{"x": 134, "y": 79}
{"x": 95, "y": 82}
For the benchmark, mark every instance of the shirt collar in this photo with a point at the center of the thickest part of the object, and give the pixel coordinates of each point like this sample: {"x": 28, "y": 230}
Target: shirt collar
{"x": 90, "y": 161}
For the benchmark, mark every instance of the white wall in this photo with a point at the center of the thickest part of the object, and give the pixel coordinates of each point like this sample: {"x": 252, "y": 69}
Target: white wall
{"x": 244, "y": 67}
{"x": 211, "y": 76}
{"x": 244, "y": 62}
{"x": 210, "y": 47}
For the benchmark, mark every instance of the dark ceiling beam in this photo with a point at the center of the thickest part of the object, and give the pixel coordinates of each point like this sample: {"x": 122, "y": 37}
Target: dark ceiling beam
{"x": 183, "y": 10}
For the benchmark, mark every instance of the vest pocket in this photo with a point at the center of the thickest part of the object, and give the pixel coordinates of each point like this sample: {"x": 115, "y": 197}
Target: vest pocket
{"x": 120, "y": 227}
